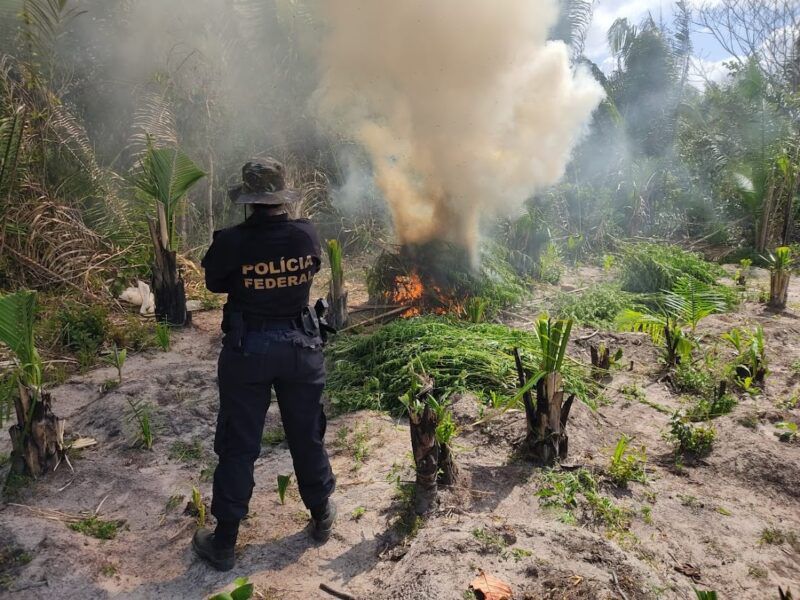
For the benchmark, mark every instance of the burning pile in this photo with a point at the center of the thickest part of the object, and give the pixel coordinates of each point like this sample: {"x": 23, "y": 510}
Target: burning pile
{"x": 437, "y": 277}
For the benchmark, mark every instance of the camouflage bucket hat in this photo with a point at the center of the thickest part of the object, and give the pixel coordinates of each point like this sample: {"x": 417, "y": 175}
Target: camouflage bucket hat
{"x": 263, "y": 182}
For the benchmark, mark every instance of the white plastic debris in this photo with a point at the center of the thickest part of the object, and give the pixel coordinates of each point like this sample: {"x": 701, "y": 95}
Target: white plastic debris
{"x": 140, "y": 296}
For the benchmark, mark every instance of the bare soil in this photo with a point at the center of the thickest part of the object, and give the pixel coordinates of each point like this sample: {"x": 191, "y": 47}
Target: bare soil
{"x": 699, "y": 525}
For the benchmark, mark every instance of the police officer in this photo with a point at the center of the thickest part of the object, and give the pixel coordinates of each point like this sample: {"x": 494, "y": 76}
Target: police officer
{"x": 272, "y": 340}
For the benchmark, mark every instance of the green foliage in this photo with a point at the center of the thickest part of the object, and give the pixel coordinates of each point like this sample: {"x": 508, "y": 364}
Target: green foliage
{"x": 273, "y": 437}
{"x": 117, "y": 360}
{"x": 710, "y": 407}
{"x": 781, "y": 260}
{"x": 335, "y": 260}
{"x": 787, "y": 431}
{"x": 653, "y": 268}
{"x": 684, "y": 306}
{"x": 705, "y": 595}
{"x": 83, "y": 330}
{"x": 97, "y": 528}
{"x": 569, "y": 490}
{"x": 140, "y": 415}
{"x": 198, "y": 507}
{"x": 242, "y": 590}
{"x": 283, "y": 485}
{"x": 165, "y": 176}
{"x": 627, "y": 464}
{"x": 750, "y": 364}
{"x": 549, "y": 268}
{"x": 163, "y": 335}
{"x": 17, "y": 313}
{"x": 187, "y": 452}
{"x": 596, "y": 307}
{"x": 374, "y": 370}
{"x": 695, "y": 440}
{"x": 131, "y": 333}
{"x": 475, "y": 309}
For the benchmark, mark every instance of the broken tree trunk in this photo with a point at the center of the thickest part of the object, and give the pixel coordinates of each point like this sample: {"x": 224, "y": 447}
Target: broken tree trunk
{"x": 546, "y": 441}
{"x": 38, "y": 436}
{"x": 167, "y": 282}
{"x": 778, "y": 288}
{"x": 422, "y": 425}
{"x": 448, "y": 469}
{"x": 602, "y": 360}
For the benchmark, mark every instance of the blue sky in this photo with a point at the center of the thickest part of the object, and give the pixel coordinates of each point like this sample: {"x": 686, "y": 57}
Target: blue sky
{"x": 708, "y": 54}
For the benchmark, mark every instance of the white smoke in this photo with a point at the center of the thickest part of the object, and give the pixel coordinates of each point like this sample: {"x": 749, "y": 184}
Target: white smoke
{"x": 464, "y": 106}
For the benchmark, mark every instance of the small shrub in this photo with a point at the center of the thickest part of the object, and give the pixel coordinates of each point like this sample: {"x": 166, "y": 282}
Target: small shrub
{"x": 117, "y": 360}
{"x": 97, "y": 528}
{"x": 787, "y": 431}
{"x": 550, "y": 267}
{"x": 750, "y": 365}
{"x": 140, "y": 415}
{"x": 695, "y": 440}
{"x": 712, "y": 407}
{"x": 83, "y": 328}
{"x": 627, "y": 464}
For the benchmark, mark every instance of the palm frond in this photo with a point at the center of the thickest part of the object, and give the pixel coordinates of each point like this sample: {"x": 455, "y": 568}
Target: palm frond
{"x": 653, "y": 324}
{"x": 17, "y": 312}
{"x": 692, "y": 300}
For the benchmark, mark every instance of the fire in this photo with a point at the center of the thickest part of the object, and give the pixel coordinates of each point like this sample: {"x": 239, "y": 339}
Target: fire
{"x": 410, "y": 289}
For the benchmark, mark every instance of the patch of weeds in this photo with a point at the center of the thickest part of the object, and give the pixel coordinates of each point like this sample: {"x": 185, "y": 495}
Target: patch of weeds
{"x": 174, "y": 502}
{"x": 647, "y": 514}
{"x": 140, "y": 415}
{"x": 97, "y": 528}
{"x": 108, "y": 570}
{"x": 757, "y": 572}
{"x": 596, "y": 307}
{"x": 163, "y": 336}
{"x": 688, "y": 439}
{"x": 789, "y": 403}
{"x": 690, "y": 501}
{"x": 207, "y": 472}
{"x": 109, "y": 385}
{"x": 186, "y": 452}
{"x": 469, "y": 595}
{"x": 82, "y": 330}
{"x": 787, "y": 431}
{"x": 688, "y": 378}
{"x": 355, "y": 442}
{"x": 712, "y": 407}
{"x": 132, "y": 333}
{"x": 627, "y": 464}
{"x": 358, "y": 512}
{"x": 778, "y": 537}
{"x": 519, "y": 554}
{"x": 570, "y": 490}
{"x": 795, "y": 367}
{"x": 498, "y": 543}
{"x": 274, "y": 436}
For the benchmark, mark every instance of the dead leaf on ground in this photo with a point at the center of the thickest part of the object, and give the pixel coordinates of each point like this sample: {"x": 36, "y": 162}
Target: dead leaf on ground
{"x": 489, "y": 587}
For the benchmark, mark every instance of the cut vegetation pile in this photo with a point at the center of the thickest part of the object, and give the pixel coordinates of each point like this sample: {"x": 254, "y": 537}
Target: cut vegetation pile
{"x": 442, "y": 277}
{"x": 374, "y": 370}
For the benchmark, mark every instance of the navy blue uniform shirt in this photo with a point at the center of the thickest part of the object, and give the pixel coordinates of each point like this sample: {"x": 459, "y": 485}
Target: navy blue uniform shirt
{"x": 265, "y": 265}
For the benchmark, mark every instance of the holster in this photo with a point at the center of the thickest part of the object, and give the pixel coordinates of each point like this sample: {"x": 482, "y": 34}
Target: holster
{"x": 236, "y": 331}
{"x": 310, "y": 322}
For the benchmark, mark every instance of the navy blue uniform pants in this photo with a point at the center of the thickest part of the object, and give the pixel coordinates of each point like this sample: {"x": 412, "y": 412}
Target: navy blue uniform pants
{"x": 291, "y": 362}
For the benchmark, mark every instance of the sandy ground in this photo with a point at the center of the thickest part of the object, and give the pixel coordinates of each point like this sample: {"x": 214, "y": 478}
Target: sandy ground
{"x": 705, "y": 519}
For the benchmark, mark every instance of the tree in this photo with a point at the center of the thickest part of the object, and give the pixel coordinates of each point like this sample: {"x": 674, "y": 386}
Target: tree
{"x": 165, "y": 177}
{"x": 38, "y": 435}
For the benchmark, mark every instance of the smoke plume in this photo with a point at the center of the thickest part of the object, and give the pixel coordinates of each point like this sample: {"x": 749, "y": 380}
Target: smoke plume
{"x": 464, "y": 106}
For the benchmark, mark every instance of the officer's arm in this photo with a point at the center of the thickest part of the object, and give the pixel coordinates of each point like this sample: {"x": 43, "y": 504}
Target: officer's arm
{"x": 217, "y": 265}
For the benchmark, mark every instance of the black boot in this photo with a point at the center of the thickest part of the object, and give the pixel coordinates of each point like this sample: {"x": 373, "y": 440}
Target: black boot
{"x": 322, "y": 521}
{"x": 222, "y": 559}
